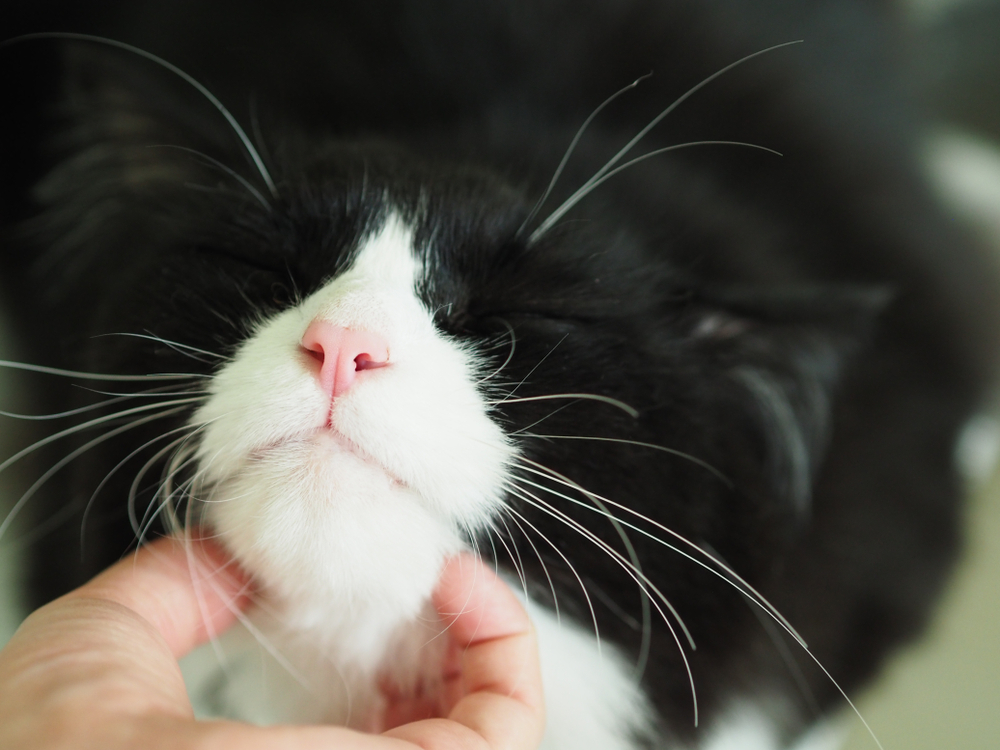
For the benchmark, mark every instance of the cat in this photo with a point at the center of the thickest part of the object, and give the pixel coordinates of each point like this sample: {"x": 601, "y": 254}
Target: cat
{"x": 697, "y": 397}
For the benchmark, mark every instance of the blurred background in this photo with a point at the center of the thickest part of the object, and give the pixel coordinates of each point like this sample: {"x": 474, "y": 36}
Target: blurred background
{"x": 943, "y": 692}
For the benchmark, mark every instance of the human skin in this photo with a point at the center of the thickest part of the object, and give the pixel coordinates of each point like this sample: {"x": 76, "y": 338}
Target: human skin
{"x": 98, "y": 667}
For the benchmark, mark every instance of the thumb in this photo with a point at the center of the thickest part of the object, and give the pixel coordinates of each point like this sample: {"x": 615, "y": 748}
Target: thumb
{"x": 187, "y": 590}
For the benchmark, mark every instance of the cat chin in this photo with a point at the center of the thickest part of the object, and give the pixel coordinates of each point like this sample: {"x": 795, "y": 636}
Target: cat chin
{"x": 340, "y": 537}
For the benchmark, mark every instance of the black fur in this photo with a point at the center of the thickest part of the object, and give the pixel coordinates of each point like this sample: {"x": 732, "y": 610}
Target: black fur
{"x": 718, "y": 290}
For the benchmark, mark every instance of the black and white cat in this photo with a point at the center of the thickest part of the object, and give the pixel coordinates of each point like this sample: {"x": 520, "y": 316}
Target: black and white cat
{"x": 701, "y": 405}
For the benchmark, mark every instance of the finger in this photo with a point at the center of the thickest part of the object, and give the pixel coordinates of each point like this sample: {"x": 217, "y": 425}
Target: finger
{"x": 475, "y": 605}
{"x": 117, "y": 637}
{"x": 503, "y": 707}
{"x": 187, "y": 590}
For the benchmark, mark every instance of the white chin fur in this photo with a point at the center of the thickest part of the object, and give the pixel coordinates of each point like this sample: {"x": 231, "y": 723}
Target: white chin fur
{"x": 344, "y": 515}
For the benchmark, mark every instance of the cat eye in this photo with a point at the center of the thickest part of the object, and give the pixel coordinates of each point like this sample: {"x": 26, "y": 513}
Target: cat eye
{"x": 281, "y": 295}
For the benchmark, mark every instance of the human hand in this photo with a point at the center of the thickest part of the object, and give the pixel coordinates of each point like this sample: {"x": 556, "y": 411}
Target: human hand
{"x": 97, "y": 668}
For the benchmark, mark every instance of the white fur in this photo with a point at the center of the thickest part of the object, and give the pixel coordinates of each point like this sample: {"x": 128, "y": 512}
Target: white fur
{"x": 744, "y": 727}
{"x": 345, "y": 529}
{"x": 751, "y": 726}
{"x": 591, "y": 698}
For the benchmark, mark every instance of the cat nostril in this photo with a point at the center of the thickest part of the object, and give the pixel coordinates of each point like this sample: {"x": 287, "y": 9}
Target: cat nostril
{"x": 342, "y": 353}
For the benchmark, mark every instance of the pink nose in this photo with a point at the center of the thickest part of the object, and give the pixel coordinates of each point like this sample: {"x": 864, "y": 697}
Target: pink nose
{"x": 342, "y": 353}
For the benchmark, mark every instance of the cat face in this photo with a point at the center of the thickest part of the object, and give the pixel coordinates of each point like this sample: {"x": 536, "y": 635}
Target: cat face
{"x": 352, "y": 483}
{"x": 506, "y": 376}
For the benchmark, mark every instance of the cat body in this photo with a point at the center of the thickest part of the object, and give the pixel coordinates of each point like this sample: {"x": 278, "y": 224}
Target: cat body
{"x": 711, "y": 402}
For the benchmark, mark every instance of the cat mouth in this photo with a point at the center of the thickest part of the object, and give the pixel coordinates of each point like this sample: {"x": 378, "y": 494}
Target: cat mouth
{"x": 320, "y": 442}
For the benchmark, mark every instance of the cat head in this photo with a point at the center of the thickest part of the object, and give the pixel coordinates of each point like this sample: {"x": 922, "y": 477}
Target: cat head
{"x": 390, "y": 359}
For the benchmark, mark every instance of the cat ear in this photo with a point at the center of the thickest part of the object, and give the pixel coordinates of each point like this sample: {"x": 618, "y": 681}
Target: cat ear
{"x": 786, "y": 350}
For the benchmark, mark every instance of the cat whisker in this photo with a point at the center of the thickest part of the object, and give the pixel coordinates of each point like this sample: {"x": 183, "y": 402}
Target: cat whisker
{"x": 640, "y": 444}
{"x": 573, "y": 199}
{"x": 637, "y": 575}
{"x": 134, "y": 489}
{"x": 87, "y": 425}
{"x": 30, "y": 492}
{"x": 510, "y": 354}
{"x": 532, "y": 370}
{"x": 541, "y": 561}
{"x": 183, "y": 455}
{"x": 572, "y": 147}
{"x": 744, "y": 588}
{"x": 226, "y": 170}
{"x": 581, "y": 396}
{"x": 258, "y": 136}
{"x": 175, "y": 345}
{"x": 593, "y": 184}
{"x": 731, "y": 577}
{"x": 241, "y": 134}
{"x": 572, "y": 569}
{"x": 118, "y": 398}
{"x": 644, "y": 600}
{"x": 777, "y": 638}
{"x": 635, "y": 572}
{"x": 149, "y": 393}
{"x": 524, "y": 430}
{"x": 96, "y": 376}
{"x": 515, "y": 556}
{"x": 119, "y": 465}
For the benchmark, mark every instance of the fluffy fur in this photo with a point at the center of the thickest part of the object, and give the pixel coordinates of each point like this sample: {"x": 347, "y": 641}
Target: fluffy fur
{"x": 723, "y": 385}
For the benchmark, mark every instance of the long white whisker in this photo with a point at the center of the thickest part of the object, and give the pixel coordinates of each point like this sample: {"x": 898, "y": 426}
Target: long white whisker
{"x": 183, "y": 455}
{"x": 515, "y": 555}
{"x": 749, "y": 592}
{"x": 618, "y": 557}
{"x": 175, "y": 345}
{"x": 531, "y": 371}
{"x": 86, "y": 425}
{"x": 572, "y": 147}
{"x": 148, "y": 393}
{"x": 547, "y": 224}
{"x": 572, "y": 569}
{"x": 510, "y": 354}
{"x": 524, "y": 430}
{"x": 107, "y": 477}
{"x": 592, "y": 185}
{"x": 759, "y": 600}
{"x": 258, "y": 162}
{"x": 118, "y": 398}
{"x": 647, "y": 632}
{"x": 96, "y": 376}
{"x": 581, "y": 396}
{"x": 137, "y": 481}
{"x": 777, "y": 639}
{"x": 541, "y": 561}
{"x": 640, "y": 579}
{"x": 29, "y": 493}
{"x": 638, "y": 443}
{"x": 219, "y": 165}
{"x": 747, "y": 589}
